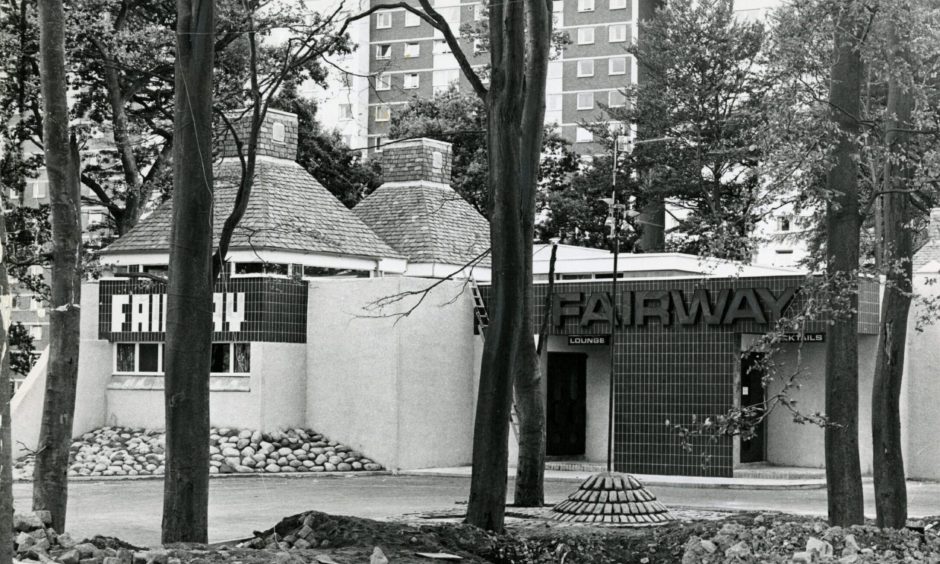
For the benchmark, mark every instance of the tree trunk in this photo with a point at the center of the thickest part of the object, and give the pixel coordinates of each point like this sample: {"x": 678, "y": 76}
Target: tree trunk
{"x": 6, "y": 440}
{"x": 530, "y": 401}
{"x": 189, "y": 293}
{"x": 843, "y": 470}
{"x": 50, "y": 486}
{"x": 520, "y": 35}
{"x": 530, "y": 467}
{"x": 897, "y": 257}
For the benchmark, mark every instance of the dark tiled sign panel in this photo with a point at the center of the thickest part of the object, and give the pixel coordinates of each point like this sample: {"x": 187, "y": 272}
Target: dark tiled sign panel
{"x": 676, "y": 370}
{"x": 244, "y": 309}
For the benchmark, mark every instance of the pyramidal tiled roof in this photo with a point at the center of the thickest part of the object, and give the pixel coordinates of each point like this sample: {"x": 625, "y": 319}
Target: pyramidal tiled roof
{"x": 420, "y": 216}
{"x": 288, "y": 210}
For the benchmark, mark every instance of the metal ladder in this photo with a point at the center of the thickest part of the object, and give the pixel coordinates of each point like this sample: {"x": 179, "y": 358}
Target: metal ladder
{"x": 482, "y": 320}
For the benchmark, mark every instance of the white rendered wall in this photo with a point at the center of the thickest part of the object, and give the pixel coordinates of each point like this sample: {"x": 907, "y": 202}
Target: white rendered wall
{"x": 919, "y": 414}
{"x": 401, "y": 392}
{"x": 794, "y": 444}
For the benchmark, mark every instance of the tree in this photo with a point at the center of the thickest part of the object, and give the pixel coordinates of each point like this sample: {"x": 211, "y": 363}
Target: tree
{"x": 21, "y": 359}
{"x": 520, "y": 37}
{"x": 698, "y": 113}
{"x": 898, "y": 251}
{"x": 6, "y": 439}
{"x": 189, "y": 293}
{"x": 843, "y": 225}
{"x": 50, "y": 486}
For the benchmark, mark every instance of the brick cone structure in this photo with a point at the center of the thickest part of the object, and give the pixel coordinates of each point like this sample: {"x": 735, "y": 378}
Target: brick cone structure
{"x": 611, "y": 498}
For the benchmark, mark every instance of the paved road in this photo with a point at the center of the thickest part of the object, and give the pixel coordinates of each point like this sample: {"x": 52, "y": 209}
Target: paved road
{"x": 131, "y": 510}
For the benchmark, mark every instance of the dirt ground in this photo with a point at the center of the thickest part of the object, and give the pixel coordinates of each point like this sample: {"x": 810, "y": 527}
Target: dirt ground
{"x": 531, "y": 537}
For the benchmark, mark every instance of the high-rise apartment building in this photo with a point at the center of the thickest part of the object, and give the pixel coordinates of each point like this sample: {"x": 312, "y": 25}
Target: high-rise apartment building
{"x": 400, "y": 57}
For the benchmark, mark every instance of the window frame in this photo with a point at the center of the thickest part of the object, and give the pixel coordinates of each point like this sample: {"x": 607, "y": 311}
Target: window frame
{"x": 620, "y": 5}
{"x": 610, "y": 101}
{"x": 610, "y": 65}
{"x": 387, "y": 47}
{"x": 388, "y": 112}
{"x": 417, "y": 50}
{"x": 581, "y": 74}
{"x": 585, "y": 6}
{"x": 383, "y": 16}
{"x": 610, "y": 33}
{"x": 383, "y": 82}
{"x": 413, "y": 85}
{"x": 577, "y": 135}
{"x": 584, "y": 41}
{"x": 412, "y": 19}
{"x": 579, "y": 105}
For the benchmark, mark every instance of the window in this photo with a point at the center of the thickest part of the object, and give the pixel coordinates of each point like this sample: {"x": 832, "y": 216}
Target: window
{"x": 383, "y": 51}
{"x": 158, "y": 269}
{"x": 585, "y": 35}
{"x": 441, "y": 47}
{"x": 375, "y": 143}
{"x": 585, "y": 5}
{"x": 558, "y": 6}
{"x": 230, "y": 358}
{"x": 616, "y": 99}
{"x": 221, "y": 358}
{"x": 278, "y": 132}
{"x": 149, "y": 357}
{"x": 242, "y": 357}
{"x": 126, "y": 357}
{"x": 585, "y": 100}
{"x": 383, "y": 81}
{"x": 586, "y": 67}
{"x": 412, "y": 19}
{"x": 553, "y": 102}
{"x": 583, "y": 136}
{"x": 617, "y": 65}
{"x": 383, "y": 20}
{"x": 617, "y": 33}
{"x": 345, "y": 111}
{"x": 478, "y": 13}
{"x": 784, "y": 251}
{"x": 39, "y": 189}
{"x": 324, "y": 272}
{"x": 139, "y": 358}
{"x": 264, "y": 268}
{"x": 412, "y": 50}
{"x": 783, "y": 224}
{"x": 411, "y": 81}
{"x": 442, "y": 80}
{"x": 383, "y": 113}
{"x": 618, "y": 4}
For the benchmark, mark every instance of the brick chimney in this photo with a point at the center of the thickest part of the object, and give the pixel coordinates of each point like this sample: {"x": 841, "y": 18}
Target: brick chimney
{"x": 417, "y": 160}
{"x": 277, "y": 138}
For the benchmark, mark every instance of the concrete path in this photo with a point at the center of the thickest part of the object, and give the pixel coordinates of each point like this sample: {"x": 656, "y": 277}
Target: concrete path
{"x": 131, "y": 510}
{"x": 695, "y": 482}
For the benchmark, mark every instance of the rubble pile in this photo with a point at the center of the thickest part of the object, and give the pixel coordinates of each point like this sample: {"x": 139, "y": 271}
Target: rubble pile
{"x": 813, "y": 542}
{"x": 124, "y": 451}
{"x": 35, "y": 540}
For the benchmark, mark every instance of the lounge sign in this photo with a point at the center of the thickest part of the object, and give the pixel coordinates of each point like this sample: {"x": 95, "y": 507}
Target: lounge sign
{"x": 680, "y": 307}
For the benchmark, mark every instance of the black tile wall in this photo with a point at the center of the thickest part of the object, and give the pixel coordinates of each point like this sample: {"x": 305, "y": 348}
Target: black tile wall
{"x": 275, "y": 309}
{"x": 672, "y": 372}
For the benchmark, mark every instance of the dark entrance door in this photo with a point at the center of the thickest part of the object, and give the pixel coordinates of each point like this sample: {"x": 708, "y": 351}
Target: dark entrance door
{"x": 752, "y": 393}
{"x": 567, "y": 405}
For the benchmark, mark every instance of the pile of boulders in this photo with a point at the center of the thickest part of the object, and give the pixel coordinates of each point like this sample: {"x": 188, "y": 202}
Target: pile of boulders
{"x": 124, "y": 451}
{"x": 813, "y": 542}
